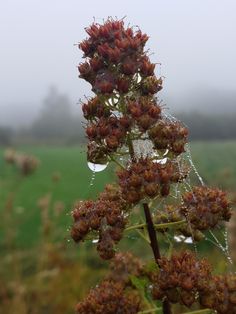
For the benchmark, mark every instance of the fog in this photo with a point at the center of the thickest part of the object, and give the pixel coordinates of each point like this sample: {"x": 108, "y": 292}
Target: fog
{"x": 193, "y": 39}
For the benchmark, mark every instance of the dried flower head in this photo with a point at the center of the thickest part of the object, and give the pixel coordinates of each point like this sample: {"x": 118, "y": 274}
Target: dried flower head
{"x": 169, "y": 135}
{"x": 104, "y": 218}
{"x": 144, "y": 111}
{"x": 110, "y": 297}
{"x": 108, "y": 132}
{"x": 180, "y": 278}
{"x": 123, "y": 265}
{"x": 205, "y": 207}
{"x": 115, "y": 294}
{"x": 145, "y": 178}
{"x": 114, "y": 54}
{"x": 25, "y": 163}
{"x": 220, "y": 294}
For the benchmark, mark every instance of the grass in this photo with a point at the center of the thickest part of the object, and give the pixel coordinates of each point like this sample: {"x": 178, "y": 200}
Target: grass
{"x": 67, "y": 164}
{"x": 215, "y": 162}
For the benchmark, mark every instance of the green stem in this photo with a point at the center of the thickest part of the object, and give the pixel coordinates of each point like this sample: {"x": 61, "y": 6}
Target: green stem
{"x": 157, "y": 226}
{"x": 117, "y": 162}
{"x": 151, "y": 310}
{"x": 143, "y": 236}
{"x": 205, "y": 311}
{"x": 169, "y": 224}
{"x": 139, "y": 226}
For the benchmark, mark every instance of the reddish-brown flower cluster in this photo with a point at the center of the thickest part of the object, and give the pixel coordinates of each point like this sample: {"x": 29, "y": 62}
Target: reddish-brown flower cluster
{"x": 96, "y": 153}
{"x": 145, "y": 178}
{"x": 169, "y": 135}
{"x": 95, "y": 109}
{"x": 144, "y": 111}
{"x": 115, "y": 294}
{"x": 104, "y": 218}
{"x": 114, "y": 54}
{"x": 124, "y": 264}
{"x": 151, "y": 85}
{"x": 110, "y": 297}
{"x": 180, "y": 278}
{"x": 172, "y": 213}
{"x": 220, "y": 295}
{"x": 205, "y": 207}
{"x": 26, "y": 164}
{"x": 109, "y": 132}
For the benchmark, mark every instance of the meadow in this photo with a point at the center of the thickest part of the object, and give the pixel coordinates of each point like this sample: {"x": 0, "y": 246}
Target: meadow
{"x": 39, "y": 263}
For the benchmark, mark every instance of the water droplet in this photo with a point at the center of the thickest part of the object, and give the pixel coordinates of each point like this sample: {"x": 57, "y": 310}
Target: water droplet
{"x": 97, "y": 167}
{"x": 161, "y": 161}
{"x": 188, "y": 240}
{"x": 182, "y": 238}
{"x": 139, "y": 78}
{"x": 166, "y": 152}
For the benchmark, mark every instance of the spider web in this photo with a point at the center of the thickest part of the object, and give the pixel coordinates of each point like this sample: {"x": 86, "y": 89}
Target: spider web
{"x": 144, "y": 148}
{"x": 219, "y": 237}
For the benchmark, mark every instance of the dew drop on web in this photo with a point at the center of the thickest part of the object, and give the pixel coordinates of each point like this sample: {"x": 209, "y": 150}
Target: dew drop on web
{"x": 184, "y": 239}
{"x": 160, "y": 161}
{"x": 95, "y": 240}
{"x": 97, "y": 167}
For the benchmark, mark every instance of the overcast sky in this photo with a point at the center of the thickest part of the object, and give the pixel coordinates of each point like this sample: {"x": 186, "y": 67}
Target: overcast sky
{"x": 193, "y": 39}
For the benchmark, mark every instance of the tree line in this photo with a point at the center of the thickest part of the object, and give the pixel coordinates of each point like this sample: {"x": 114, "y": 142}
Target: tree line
{"x": 57, "y": 124}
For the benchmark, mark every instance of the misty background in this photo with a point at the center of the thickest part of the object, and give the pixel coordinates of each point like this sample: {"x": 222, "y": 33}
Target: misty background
{"x": 39, "y": 86}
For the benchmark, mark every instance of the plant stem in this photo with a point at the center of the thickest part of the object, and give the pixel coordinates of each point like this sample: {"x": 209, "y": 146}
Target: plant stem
{"x": 116, "y": 162}
{"x": 152, "y": 233}
{"x": 155, "y": 249}
{"x": 205, "y": 311}
{"x": 131, "y": 148}
{"x": 151, "y": 310}
{"x": 157, "y": 226}
{"x": 151, "y": 230}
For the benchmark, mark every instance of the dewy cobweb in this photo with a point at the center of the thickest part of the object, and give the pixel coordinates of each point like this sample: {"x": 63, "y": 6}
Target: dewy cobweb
{"x": 221, "y": 242}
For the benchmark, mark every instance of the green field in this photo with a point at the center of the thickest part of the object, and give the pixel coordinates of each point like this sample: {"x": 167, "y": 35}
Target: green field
{"x": 215, "y": 162}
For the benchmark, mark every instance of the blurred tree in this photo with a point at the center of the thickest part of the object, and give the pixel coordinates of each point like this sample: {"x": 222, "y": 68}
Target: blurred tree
{"x": 6, "y": 134}
{"x": 56, "y": 121}
{"x": 204, "y": 126}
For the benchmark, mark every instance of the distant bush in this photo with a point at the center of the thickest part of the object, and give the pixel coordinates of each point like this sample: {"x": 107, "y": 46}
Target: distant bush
{"x": 210, "y": 127}
{"x": 5, "y": 136}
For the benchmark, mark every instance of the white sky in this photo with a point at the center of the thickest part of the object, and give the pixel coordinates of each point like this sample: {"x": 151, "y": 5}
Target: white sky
{"x": 193, "y": 39}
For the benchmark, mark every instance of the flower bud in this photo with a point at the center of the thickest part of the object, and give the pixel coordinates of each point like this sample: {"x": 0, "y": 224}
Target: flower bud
{"x": 129, "y": 67}
{"x": 123, "y": 85}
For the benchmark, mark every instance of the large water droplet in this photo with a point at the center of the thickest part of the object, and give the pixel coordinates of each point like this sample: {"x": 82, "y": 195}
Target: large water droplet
{"x": 97, "y": 167}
